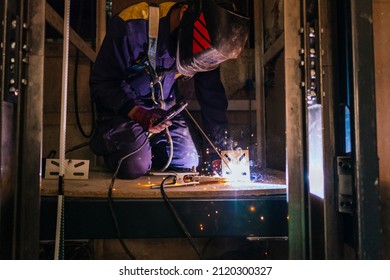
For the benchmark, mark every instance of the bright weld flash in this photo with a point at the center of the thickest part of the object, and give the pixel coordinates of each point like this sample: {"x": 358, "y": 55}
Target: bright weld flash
{"x": 235, "y": 165}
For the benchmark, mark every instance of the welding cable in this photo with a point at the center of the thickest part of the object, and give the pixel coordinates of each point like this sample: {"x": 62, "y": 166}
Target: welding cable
{"x": 167, "y": 133}
{"x": 79, "y": 146}
{"x": 112, "y": 210}
{"x": 177, "y": 217}
{"x": 75, "y": 84}
{"x": 208, "y": 139}
{"x": 170, "y": 142}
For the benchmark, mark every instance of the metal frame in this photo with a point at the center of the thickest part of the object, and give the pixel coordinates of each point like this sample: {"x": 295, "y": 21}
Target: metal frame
{"x": 332, "y": 219}
{"x": 21, "y": 134}
{"x": 264, "y": 218}
{"x": 369, "y": 236}
{"x": 259, "y": 79}
{"x": 30, "y": 138}
{"x": 295, "y": 141}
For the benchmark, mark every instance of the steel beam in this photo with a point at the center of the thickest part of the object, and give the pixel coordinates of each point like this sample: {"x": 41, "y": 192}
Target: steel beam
{"x": 260, "y": 218}
{"x": 369, "y": 233}
{"x": 30, "y": 121}
{"x": 295, "y": 125}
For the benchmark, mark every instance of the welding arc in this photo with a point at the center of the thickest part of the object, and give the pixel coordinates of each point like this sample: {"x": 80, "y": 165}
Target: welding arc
{"x": 174, "y": 212}
{"x": 208, "y": 139}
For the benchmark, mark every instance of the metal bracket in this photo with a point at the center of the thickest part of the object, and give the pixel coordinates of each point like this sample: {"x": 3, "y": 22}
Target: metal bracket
{"x": 344, "y": 173}
{"x": 74, "y": 169}
{"x": 180, "y": 179}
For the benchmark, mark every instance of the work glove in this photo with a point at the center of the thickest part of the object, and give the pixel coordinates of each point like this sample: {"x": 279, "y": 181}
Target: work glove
{"x": 146, "y": 118}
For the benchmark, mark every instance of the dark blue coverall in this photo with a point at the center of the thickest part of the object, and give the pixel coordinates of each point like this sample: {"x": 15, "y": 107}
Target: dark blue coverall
{"x": 118, "y": 83}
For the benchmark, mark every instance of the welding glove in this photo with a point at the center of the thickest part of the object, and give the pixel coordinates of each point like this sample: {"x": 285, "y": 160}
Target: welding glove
{"x": 146, "y": 118}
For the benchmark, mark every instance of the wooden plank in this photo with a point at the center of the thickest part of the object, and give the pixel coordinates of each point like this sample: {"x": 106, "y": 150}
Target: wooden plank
{"x": 274, "y": 49}
{"x": 57, "y": 22}
{"x": 101, "y": 22}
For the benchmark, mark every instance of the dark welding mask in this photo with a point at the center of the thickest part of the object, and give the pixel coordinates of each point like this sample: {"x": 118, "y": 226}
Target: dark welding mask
{"x": 209, "y": 34}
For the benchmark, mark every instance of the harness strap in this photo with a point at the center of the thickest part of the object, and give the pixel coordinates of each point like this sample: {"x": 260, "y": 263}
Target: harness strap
{"x": 154, "y": 21}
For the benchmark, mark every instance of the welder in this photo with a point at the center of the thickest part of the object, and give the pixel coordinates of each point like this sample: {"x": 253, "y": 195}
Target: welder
{"x": 133, "y": 82}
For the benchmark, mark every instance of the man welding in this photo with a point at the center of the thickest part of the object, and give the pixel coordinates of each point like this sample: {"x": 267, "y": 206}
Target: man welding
{"x": 133, "y": 82}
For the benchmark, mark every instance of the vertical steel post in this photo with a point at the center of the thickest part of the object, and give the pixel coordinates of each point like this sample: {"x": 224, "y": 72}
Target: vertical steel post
{"x": 29, "y": 123}
{"x": 259, "y": 79}
{"x": 332, "y": 219}
{"x": 296, "y": 182}
{"x": 366, "y": 178}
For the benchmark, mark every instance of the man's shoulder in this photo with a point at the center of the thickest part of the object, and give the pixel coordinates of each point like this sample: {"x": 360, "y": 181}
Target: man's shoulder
{"x": 137, "y": 11}
{"x": 141, "y": 11}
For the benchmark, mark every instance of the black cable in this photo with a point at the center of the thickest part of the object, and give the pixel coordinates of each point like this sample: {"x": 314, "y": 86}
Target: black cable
{"x": 51, "y": 154}
{"x": 110, "y": 201}
{"x": 79, "y": 146}
{"x": 177, "y": 217}
{"x": 75, "y": 83}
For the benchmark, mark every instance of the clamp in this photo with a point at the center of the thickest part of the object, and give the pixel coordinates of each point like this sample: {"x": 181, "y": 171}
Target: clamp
{"x": 179, "y": 179}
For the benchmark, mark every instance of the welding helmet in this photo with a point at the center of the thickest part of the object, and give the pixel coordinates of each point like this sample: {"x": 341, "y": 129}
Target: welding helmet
{"x": 209, "y": 33}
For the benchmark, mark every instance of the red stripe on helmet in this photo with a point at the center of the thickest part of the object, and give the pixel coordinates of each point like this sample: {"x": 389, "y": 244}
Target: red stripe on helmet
{"x": 201, "y": 36}
{"x": 196, "y": 47}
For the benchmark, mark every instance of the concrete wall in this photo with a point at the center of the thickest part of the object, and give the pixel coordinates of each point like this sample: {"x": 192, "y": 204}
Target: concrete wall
{"x": 381, "y": 22}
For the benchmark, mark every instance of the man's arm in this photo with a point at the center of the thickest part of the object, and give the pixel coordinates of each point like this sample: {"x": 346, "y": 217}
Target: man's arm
{"x": 109, "y": 89}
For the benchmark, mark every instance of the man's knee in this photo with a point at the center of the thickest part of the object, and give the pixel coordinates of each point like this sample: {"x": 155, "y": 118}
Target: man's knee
{"x": 133, "y": 168}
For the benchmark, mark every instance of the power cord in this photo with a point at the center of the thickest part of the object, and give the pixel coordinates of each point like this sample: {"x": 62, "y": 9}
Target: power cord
{"x": 110, "y": 201}
{"x": 165, "y": 197}
{"x": 163, "y": 193}
{"x": 177, "y": 217}
{"x": 75, "y": 84}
